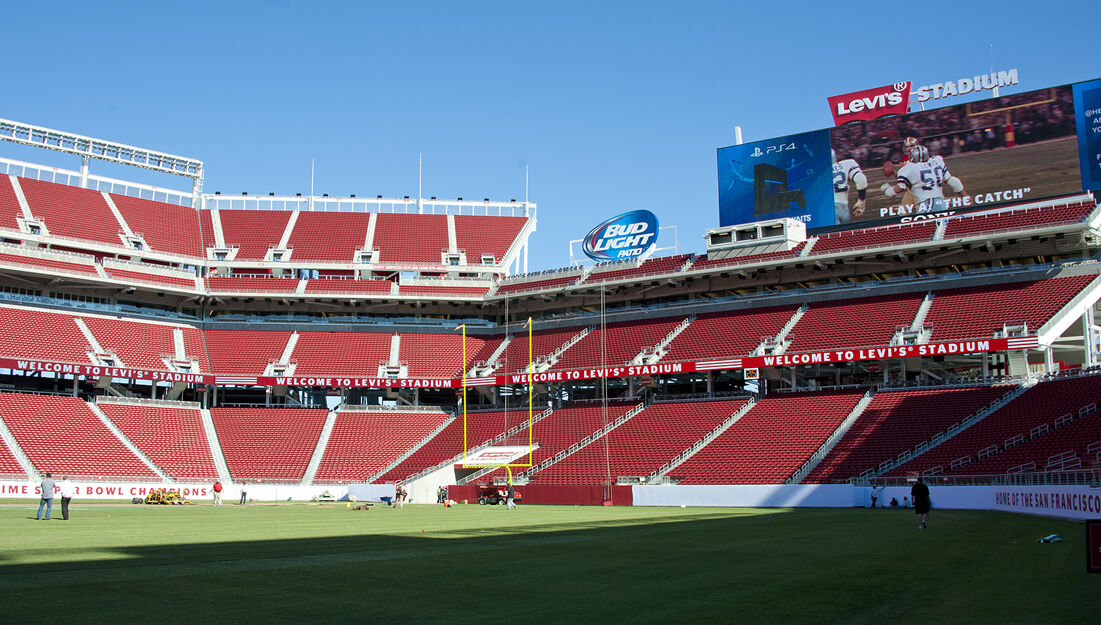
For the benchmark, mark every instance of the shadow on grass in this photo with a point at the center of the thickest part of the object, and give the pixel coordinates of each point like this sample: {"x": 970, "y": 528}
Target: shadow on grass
{"x": 717, "y": 566}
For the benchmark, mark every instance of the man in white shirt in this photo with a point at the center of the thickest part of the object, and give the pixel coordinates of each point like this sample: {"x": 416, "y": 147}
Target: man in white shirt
{"x": 66, "y": 489}
{"x": 875, "y": 495}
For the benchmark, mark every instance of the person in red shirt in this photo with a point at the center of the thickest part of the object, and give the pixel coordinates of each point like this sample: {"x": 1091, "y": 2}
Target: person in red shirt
{"x": 217, "y": 493}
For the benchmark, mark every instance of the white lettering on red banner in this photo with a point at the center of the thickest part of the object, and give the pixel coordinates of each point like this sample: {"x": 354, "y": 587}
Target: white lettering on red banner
{"x": 623, "y": 371}
{"x": 870, "y": 104}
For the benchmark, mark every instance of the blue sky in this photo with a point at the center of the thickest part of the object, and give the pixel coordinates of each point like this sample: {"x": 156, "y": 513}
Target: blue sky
{"x": 614, "y": 106}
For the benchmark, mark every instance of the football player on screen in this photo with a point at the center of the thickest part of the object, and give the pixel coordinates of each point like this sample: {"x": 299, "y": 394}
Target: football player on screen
{"x": 845, "y": 173}
{"x": 925, "y": 176}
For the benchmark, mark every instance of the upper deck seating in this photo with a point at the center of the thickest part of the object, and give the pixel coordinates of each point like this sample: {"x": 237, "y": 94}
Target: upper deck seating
{"x": 410, "y": 238}
{"x": 1018, "y": 219}
{"x": 348, "y": 285}
{"x": 136, "y": 276}
{"x": 165, "y": 227}
{"x": 71, "y": 264}
{"x": 71, "y": 211}
{"x": 622, "y": 342}
{"x": 437, "y": 355}
{"x": 661, "y": 265}
{"x": 254, "y": 232}
{"x": 516, "y": 356}
{"x": 252, "y": 284}
{"x": 41, "y": 335}
{"x": 9, "y": 205}
{"x": 328, "y": 236}
{"x": 479, "y": 235}
{"x": 420, "y": 290}
{"x": 244, "y": 351}
{"x": 863, "y": 322}
{"x": 547, "y": 284}
{"x": 725, "y": 334}
{"x": 979, "y": 312}
{"x": 341, "y": 353}
{"x": 868, "y": 238}
{"x": 144, "y": 345}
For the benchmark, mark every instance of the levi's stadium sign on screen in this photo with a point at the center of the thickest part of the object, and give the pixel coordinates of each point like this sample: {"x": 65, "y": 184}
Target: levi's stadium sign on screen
{"x": 972, "y": 156}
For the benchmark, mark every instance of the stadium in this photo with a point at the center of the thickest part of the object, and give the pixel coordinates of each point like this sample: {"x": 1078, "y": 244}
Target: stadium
{"x": 311, "y": 353}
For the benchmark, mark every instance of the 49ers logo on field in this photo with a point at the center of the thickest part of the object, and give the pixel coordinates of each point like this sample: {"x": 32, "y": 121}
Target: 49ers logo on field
{"x": 871, "y": 104}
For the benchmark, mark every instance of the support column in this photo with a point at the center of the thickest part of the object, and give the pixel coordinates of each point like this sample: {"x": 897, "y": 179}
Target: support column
{"x": 1089, "y": 337}
{"x": 75, "y": 387}
{"x": 1049, "y": 360}
{"x": 710, "y": 383}
{"x": 986, "y": 365}
{"x": 84, "y": 171}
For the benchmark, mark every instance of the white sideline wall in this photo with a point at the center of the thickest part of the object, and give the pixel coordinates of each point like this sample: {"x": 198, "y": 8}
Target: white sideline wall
{"x": 1070, "y": 502}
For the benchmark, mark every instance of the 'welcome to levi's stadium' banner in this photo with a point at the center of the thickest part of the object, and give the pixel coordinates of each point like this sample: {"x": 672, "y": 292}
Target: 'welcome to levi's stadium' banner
{"x": 620, "y": 371}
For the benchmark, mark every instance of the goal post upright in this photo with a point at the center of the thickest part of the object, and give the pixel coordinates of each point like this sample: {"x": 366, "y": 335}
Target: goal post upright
{"x": 531, "y": 392}
{"x": 508, "y": 466}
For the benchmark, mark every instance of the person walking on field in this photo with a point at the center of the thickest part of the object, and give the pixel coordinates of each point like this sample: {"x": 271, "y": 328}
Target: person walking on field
{"x": 875, "y": 495}
{"x": 919, "y": 494}
{"x": 511, "y": 493}
{"x": 217, "y": 489}
{"x": 47, "y": 488}
{"x": 66, "y": 490}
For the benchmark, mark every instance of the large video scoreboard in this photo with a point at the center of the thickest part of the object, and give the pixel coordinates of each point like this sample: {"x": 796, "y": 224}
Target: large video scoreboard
{"x": 1012, "y": 149}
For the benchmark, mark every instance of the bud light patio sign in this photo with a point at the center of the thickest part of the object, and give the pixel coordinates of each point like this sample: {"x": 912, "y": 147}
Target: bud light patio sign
{"x": 622, "y": 237}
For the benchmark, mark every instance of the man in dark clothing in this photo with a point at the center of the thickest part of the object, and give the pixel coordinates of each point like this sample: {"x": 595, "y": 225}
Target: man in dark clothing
{"x": 47, "y": 488}
{"x": 919, "y": 493}
{"x": 511, "y": 496}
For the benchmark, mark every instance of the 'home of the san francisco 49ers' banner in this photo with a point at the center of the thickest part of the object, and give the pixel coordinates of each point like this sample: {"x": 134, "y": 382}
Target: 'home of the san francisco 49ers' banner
{"x": 620, "y": 371}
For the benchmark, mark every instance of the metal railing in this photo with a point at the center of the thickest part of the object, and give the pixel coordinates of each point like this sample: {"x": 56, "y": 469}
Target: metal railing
{"x": 1089, "y": 477}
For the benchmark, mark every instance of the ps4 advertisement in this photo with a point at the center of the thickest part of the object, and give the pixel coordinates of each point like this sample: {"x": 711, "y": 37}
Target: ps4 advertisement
{"x": 1087, "y": 103}
{"x": 789, "y": 176}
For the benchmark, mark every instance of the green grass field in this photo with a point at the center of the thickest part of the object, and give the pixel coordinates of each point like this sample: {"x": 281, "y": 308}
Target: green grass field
{"x": 538, "y": 564}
